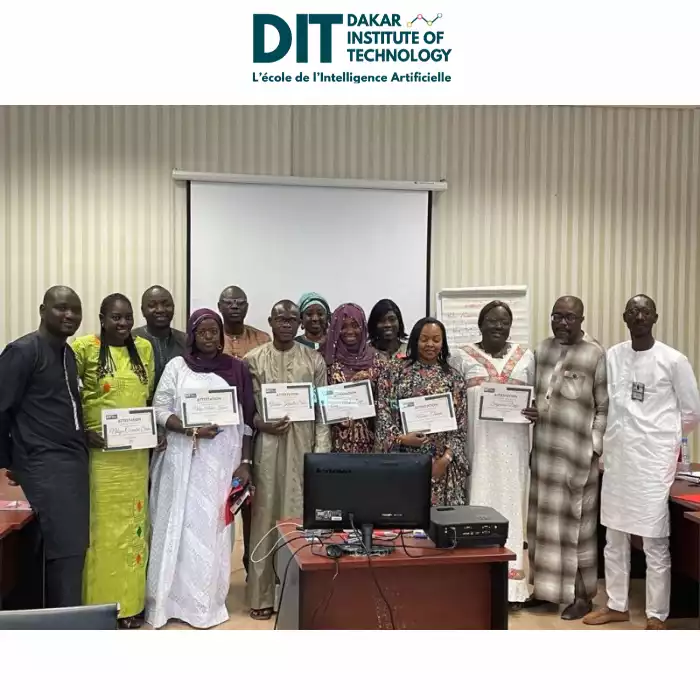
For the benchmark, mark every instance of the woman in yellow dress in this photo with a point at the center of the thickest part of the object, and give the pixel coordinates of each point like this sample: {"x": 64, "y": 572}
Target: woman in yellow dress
{"x": 117, "y": 371}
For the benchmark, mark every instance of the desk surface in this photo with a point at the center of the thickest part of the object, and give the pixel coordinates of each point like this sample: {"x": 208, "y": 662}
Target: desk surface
{"x": 694, "y": 516}
{"x": 681, "y": 488}
{"x": 418, "y": 552}
{"x": 11, "y": 520}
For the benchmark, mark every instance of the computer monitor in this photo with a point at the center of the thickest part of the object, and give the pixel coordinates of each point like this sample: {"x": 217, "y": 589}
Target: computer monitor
{"x": 366, "y": 491}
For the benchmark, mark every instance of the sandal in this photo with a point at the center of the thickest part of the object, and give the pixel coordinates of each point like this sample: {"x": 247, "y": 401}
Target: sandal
{"x": 262, "y": 614}
{"x": 130, "y": 623}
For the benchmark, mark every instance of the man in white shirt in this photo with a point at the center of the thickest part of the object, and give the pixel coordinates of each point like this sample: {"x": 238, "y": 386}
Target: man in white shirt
{"x": 654, "y": 401}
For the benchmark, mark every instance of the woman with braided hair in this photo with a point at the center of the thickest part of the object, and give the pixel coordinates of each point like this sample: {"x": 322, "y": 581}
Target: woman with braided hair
{"x": 116, "y": 371}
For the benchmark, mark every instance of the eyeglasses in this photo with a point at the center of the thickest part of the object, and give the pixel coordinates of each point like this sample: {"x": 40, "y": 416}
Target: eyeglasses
{"x": 569, "y": 318}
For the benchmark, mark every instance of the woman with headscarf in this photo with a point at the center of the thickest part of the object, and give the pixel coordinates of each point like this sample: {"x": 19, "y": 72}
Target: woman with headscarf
{"x": 499, "y": 453}
{"x": 190, "y": 566}
{"x": 315, "y": 313}
{"x": 350, "y": 358}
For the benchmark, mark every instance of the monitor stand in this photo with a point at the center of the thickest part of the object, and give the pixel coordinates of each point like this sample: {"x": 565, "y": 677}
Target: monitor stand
{"x": 368, "y": 548}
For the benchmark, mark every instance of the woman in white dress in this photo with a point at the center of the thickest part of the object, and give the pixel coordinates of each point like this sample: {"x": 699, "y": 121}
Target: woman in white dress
{"x": 499, "y": 453}
{"x": 190, "y": 564}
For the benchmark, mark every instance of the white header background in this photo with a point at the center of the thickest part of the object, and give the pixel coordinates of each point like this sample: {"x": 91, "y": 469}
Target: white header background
{"x": 503, "y": 52}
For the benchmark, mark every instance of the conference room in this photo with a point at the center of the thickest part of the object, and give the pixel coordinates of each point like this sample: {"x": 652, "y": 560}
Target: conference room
{"x": 442, "y": 209}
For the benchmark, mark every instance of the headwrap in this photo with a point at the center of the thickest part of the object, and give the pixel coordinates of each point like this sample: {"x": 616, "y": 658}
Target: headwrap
{"x": 336, "y": 351}
{"x": 311, "y": 298}
{"x": 231, "y": 370}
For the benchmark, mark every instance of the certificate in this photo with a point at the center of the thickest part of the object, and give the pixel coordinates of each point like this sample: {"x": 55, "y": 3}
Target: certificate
{"x": 428, "y": 414}
{"x": 293, "y": 401}
{"x": 350, "y": 400}
{"x": 504, "y": 402}
{"x": 210, "y": 407}
{"x": 129, "y": 429}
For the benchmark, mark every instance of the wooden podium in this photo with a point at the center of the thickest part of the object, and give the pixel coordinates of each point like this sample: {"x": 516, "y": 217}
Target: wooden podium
{"x": 427, "y": 588}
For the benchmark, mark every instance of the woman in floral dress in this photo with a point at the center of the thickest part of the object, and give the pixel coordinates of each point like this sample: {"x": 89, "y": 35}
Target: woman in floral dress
{"x": 424, "y": 372}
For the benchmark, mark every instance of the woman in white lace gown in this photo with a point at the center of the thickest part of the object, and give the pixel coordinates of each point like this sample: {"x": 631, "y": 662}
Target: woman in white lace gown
{"x": 190, "y": 564}
{"x": 499, "y": 453}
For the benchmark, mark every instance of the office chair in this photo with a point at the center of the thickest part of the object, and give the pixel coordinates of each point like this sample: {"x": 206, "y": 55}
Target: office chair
{"x": 85, "y": 617}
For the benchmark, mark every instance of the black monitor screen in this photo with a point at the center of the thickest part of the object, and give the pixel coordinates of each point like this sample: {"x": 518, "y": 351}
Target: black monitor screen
{"x": 388, "y": 491}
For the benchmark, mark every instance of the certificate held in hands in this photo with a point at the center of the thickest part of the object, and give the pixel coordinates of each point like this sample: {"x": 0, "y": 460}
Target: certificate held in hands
{"x": 504, "y": 403}
{"x": 292, "y": 401}
{"x": 346, "y": 401}
{"x": 210, "y": 407}
{"x": 428, "y": 414}
{"x": 129, "y": 429}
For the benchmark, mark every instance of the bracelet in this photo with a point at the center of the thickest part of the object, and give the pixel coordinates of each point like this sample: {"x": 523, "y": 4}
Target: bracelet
{"x": 448, "y": 456}
{"x": 247, "y": 461}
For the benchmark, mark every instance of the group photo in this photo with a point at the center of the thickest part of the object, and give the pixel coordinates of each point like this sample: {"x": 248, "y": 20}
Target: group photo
{"x": 266, "y": 378}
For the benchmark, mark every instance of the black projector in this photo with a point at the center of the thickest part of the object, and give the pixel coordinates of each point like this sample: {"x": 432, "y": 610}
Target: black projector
{"x": 453, "y": 527}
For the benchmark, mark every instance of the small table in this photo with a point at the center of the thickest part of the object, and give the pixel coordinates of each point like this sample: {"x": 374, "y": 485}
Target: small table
{"x": 427, "y": 588}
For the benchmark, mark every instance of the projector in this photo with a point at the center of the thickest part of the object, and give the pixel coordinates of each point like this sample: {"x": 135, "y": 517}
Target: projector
{"x": 454, "y": 527}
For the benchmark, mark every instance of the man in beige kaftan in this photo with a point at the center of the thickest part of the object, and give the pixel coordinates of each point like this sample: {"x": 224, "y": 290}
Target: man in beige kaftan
{"x": 278, "y": 457}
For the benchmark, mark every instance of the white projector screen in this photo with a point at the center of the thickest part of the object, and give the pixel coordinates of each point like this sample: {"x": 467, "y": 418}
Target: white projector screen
{"x": 279, "y": 241}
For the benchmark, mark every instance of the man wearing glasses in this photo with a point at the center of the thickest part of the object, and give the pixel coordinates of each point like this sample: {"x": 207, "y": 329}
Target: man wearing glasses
{"x": 239, "y": 339}
{"x": 571, "y": 412}
{"x": 654, "y": 401}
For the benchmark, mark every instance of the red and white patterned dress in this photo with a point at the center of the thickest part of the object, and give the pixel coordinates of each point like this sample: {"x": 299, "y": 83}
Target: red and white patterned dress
{"x": 499, "y": 453}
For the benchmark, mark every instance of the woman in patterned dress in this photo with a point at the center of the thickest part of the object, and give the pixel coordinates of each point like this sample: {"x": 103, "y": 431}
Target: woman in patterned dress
{"x": 499, "y": 453}
{"x": 190, "y": 564}
{"x": 116, "y": 371}
{"x": 350, "y": 358}
{"x": 424, "y": 372}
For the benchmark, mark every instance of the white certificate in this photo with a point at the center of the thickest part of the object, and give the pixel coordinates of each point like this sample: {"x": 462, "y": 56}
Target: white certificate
{"x": 428, "y": 414}
{"x": 210, "y": 407}
{"x": 293, "y": 401}
{"x": 350, "y": 400}
{"x": 504, "y": 402}
{"x": 129, "y": 429}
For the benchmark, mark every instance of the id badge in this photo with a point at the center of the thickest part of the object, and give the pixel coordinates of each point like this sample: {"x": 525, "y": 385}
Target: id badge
{"x": 637, "y": 391}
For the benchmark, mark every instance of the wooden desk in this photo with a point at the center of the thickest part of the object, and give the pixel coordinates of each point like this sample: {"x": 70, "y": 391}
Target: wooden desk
{"x": 427, "y": 589}
{"x": 12, "y": 522}
{"x": 693, "y": 516}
